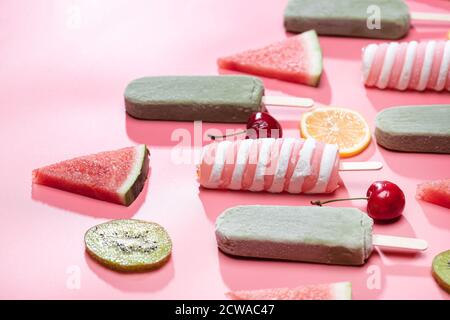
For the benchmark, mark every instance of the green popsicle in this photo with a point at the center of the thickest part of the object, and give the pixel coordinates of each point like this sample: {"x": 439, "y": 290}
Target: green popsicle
{"x": 351, "y": 18}
{"x": 190, "y": 98}
{"x": 414, "y": 128}
{"x": 309, "y": 234}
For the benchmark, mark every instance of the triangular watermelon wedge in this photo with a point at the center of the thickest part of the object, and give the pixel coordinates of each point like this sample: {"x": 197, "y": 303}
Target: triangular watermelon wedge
{"x": 437, "y": 192}
{"x": 114, "y": 176}
{"x": 296, "y": 59}
{"x": 330, "y": 291}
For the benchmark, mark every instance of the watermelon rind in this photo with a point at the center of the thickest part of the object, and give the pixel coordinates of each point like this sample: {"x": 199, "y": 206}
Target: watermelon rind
{"x": 135, "y": 181}
{"x": 330, "y": 291}
{"x": 312, "y": 45}
{"x": 342, "y": 290}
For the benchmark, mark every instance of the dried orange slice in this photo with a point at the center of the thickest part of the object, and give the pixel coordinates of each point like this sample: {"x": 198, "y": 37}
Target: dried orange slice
{"x": 340, "y": 126}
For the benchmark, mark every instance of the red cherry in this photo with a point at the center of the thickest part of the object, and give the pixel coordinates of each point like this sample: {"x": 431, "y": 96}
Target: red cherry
{"x": 263, "y": 125}
{"x": 386, "y": 201}
{"x": 259, "y": 125}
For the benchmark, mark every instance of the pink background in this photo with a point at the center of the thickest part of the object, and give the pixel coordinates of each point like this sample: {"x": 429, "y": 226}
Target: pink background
{"x": 63, "y": 69}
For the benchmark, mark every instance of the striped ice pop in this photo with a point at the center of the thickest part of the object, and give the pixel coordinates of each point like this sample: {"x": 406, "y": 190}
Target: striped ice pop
{"x": 272, "y": 165}
{"x": 408, "y": 65}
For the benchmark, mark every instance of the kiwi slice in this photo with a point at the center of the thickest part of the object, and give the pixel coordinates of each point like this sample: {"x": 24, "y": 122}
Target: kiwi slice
{"x": 441, "y": 270}
{"x": 129, "y": 245}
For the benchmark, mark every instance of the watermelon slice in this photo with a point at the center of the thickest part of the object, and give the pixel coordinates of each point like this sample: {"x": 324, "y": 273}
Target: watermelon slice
{"x": 296, "y": 59}
{"x": 114, "y": 176}
{"x": 437, "y": 192}
{"x": 331, "y": 291}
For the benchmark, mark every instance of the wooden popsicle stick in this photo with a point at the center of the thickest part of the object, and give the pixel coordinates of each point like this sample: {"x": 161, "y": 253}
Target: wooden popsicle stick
{"x": 399, "y": 242}
{"x": 288, "y": 101}
{"x": 360, "y": 166}
{"x": 443, "y": 17}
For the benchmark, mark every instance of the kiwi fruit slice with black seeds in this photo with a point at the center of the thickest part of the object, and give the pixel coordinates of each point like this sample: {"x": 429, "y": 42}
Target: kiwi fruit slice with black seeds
{"x": 129, "y": 245}
{"x": 441, "y": 270}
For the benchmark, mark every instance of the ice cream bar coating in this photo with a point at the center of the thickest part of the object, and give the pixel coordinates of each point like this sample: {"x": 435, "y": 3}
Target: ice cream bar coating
{"x": 309, "y": 234}
{"x": 414, "y": 128}
{"x": 190, "y": 98}
{"x": 383, "y": 19}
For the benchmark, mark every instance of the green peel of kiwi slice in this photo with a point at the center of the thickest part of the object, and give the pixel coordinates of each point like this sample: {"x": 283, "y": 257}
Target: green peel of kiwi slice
{"x": 441, "y": 270}
{"x": 129, "y": 245}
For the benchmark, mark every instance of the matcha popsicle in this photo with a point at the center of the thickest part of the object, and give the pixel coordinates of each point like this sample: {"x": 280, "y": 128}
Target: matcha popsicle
{"x": 309, "y": 234}
{"x": 414, "y": 128}
{"x": 207, "y": 98}
{"x": 348, "y": 17}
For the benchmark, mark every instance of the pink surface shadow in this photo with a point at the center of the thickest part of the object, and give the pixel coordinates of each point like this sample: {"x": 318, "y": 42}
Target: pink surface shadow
{"x": 382, "y": 99}
{"x": 413, "y": 166}
{"x": 216, "y": 201}
{"x": 436, "y": 215}
{"x": 400, "y": 227}
{"x": 321, "y": 94}
{"x": 87, "y": 206}
{"x": 405, "y": 267}
{"x": 159, "y": 133}
{"x": 430, "y": 33}
{"x": 249, "y": 274}
{"x": 350, "y": 50}
{"x": 150, "y": 281}
{"x": 264, "y": 274}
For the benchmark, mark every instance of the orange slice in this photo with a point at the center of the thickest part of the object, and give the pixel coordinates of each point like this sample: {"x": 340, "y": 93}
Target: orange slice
{"x": 340, "y": 126}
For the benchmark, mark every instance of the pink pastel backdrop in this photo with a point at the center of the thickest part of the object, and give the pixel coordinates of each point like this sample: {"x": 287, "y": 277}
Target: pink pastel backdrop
{"x": 63, "y": 69}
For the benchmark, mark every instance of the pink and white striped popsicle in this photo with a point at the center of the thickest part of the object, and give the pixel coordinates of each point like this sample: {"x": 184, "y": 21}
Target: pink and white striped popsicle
{"x": 273, "y": 165}
{"x": 407, "y": 65}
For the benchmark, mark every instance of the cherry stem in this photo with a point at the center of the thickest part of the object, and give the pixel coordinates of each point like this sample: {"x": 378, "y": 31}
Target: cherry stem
{"x": 320, "y": 203}
{"x": 212, "y": 137}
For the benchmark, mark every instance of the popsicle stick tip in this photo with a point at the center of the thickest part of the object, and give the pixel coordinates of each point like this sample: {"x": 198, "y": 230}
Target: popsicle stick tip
{"x": 440, "y": 17}
{"x": 399, "y": 242}
{"x": 360, "y": 166}
{"x": 283, "y": 101}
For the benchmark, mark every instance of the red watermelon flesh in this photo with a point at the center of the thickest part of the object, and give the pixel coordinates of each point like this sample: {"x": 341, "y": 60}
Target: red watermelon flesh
{"x": 296, "y": 59}
{"x": 114, "y": 176}
{"x": 330, "y": 291}
{"x": 437, "y": 192}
